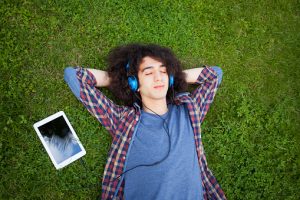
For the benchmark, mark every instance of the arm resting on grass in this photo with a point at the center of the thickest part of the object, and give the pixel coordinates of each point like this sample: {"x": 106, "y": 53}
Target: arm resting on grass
{"x": 83, "y": 83}
{"x": 102, "y": 79}
{"x": 208, "y": 79}
{"x": 193, "y": 74}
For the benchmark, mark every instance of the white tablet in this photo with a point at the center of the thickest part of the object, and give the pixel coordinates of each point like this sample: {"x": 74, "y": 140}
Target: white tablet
{"x": 59, "y": 139}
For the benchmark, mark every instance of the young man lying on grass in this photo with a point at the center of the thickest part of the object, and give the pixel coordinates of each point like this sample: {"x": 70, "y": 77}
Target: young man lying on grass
{"x": 156, "y": 150}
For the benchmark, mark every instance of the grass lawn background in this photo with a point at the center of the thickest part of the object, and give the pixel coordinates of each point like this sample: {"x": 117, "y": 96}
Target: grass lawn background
{"x": 251, "y": 133}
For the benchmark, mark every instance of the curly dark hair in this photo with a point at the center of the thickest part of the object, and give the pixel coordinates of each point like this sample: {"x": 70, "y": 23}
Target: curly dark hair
{"x": 134, "y": 54}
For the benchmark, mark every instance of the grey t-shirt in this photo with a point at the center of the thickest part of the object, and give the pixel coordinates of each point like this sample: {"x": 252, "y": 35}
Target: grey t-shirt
{"x": 177, "y": 177}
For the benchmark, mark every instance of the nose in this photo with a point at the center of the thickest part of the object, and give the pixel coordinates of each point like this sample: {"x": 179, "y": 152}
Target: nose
{"x": 158, "y": 76}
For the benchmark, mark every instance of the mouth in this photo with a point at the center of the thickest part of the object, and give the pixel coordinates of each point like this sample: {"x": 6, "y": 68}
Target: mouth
{"x": 159, "y": 87}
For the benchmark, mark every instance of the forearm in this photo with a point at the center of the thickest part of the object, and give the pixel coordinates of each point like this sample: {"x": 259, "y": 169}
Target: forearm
{"x": 192, "y": 74}
{"x": 102, "y": 77}
{"x": 208, "y": 81}
{"x": 83, "y": 83}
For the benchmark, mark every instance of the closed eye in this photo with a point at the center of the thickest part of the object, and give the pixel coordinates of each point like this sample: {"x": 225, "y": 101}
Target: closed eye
{"x": 163, "y": 69}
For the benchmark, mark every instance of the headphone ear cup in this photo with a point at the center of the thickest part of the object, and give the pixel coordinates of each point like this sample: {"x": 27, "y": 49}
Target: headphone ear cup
{"x": 171, "y": 81}
{"x": 133, "y": 83}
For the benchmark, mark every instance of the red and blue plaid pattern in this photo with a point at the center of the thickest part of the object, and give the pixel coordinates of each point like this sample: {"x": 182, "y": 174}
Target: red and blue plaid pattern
{"x": 120, "y": 121}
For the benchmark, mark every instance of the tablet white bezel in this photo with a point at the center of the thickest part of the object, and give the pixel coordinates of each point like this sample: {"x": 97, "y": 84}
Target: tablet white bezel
{"x": 72, "y": 158}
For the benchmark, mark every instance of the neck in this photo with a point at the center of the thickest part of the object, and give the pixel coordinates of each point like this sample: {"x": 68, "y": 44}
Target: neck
{"x": 156, "y": 107}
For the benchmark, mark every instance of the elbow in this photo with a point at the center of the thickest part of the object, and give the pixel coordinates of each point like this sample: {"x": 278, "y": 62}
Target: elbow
{"x": 68, "y": 72}
{"x": 70, "y": 78}
{"x": 219, "y": 72}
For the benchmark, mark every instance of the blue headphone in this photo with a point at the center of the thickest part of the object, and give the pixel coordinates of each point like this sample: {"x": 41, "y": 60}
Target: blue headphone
{"x": 133, "y": 82}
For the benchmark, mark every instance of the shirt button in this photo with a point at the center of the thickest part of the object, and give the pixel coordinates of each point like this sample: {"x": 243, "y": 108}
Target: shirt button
{"x": 137, "y": 118}
{"x": 124, "y": 157}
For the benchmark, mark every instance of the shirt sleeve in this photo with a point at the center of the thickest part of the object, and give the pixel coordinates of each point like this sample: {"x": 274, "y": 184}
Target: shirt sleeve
{"x": 209, "y": 80}
{"x": 83, "y": 84}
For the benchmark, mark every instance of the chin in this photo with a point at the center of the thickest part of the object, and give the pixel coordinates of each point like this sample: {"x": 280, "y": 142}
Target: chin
{"x": 161, "y": 96}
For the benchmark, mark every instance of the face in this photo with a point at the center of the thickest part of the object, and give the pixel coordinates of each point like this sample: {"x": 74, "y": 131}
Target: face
{"x": 153, "y": 80}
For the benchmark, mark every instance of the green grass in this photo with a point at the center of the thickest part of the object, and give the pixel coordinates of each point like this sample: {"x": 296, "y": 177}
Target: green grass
{"x": 251, "y": 134}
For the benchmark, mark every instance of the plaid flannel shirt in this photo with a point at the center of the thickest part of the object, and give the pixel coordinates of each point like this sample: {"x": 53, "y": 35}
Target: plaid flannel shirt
{"x": 121, "y": 121}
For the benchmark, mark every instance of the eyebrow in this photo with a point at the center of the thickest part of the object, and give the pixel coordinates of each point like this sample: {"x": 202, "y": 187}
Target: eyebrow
{"x": 149, "y": 67}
